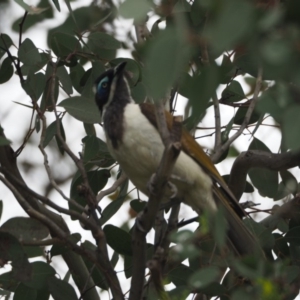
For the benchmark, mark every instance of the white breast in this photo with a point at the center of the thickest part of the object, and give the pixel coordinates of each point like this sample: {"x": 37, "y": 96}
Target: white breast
{"x": 140, "y": 153}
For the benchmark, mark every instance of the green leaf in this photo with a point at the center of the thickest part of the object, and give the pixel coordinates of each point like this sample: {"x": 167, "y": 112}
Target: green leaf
{"x": 137, "y": 205}
{"x": 111, "y": 209}
{"x": 97, "y": 180}
{"x": 293, "y": 236}
{"x": 265, "y": 181}
{"x": 292, "y": 272}
{"x": 63, "y": 135}
{"x": 81, "y": 109}
{"x": 50, "y": 133}
{"x": 204, "y": 277}
{"x": 6, "y": 70}
{"x": 26, "y": 229}
{"x": 11, "y": 250}
{"x": 289, "y": 185}
{"x": 8, "y": 282}
{"x": 166, "y": 56}
{"x": 65, "y": 79}
{"x": 114, "y": 259}
{"x": 59, "y": 249}
{"x": 232, "y": 24}
{"x": 263, "y": 234}
{"x": 61, "y": 290}
{"x": 257, "y": 144}
{"x": 4, "y": 141}
{"x": 24, "y": 292}
{"x": 180, "y": 275}
{"x": 291, "y": 127}
{"x": 233, "y": 93}
{"x": 5, "y": 43}
{"x": 33, "y": 251}
{"x": 34, "y": 85}
{"x": 118, "y": 239}
{"x": 30, "y": 69}
{"x": 28, "y": 53}
{"x": 139, "y": 93}
{"x": 132, "y": 68}
{"x": 101, "y": 40}
{"x": 56, "y": 3}
{"x": 97, "y": 276}
{"x": 76, "y": 74}
{"x": 63, "y": 44}
{"x": 241, "y": 113}
{"x": 134, "y": 9}
{"x": 41, "y": 271}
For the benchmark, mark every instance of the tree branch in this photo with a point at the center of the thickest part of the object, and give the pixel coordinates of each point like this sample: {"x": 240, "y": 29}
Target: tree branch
{"x": 259, "y": 159}
{"x": 145, "y": 219}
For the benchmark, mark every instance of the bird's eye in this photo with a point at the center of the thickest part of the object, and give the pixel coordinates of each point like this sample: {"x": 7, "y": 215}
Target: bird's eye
{"x": 104, "y": 85}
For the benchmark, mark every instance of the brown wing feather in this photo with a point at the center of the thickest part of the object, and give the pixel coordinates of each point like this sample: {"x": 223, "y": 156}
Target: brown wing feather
{"x": 240, "y": 239}
{"x": 193, "y": 149}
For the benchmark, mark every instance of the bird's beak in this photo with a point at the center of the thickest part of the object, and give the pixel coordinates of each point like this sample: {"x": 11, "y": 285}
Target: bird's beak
{"x": 120, "y": 68}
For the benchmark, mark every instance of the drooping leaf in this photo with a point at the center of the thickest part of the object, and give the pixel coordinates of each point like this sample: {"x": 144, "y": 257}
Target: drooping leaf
{"x": 11, "y": 250}
{"x": 97, "y": 180}
{"x": 241, "y": 114}
{"x": 233, "y": 93}
{"x": 137, "y": 205}
{"x": 24, "y": 292}
{"x": 41, "y": 271}
{"x": 204, "y": 277}
{"x": 180, "y": 275}
{"x": 96, "y": 274}
{"x": 60, "y": 289}
{"x": 133, "y": 70}
{"x": 165, "y": 59}
{"x": 118, "y": 239}
{"x": 265, "y": 181}
{"x": 6, "y": 70}
{"x": 59, "y": 249}
{"x": 25, "y": 228}
{"x": 81, "y": 109}
{"x": 293, "y": 236}
{"x": 232, "y": 25}
{"x": 5, "y": 43}
{"x": 291, "y": 127}
{"x": 28, "y": 53}
{"x": 35, "y": 85}
{"x": 101, "y": 40}
{"x": 63, "y": 44}
{"x": 134, "y": 9}
{"x": 65, "y": 79}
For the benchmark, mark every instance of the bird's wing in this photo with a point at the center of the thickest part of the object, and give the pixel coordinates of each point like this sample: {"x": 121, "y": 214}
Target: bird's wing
{"x": 241, "y": 239}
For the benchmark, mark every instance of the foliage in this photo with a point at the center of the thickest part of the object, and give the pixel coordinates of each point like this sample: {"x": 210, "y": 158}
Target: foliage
{"x": 194, "y": 49}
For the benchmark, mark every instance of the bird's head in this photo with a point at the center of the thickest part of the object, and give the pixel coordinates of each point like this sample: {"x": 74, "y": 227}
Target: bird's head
{"x": 107, "y": 84}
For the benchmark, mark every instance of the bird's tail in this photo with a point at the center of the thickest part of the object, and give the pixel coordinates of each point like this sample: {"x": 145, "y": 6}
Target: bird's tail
{"x": 240, "y": 238}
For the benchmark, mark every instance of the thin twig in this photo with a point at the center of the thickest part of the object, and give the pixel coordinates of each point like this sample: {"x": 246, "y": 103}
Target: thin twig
{"x": 113, "y": 188}
{"x": 248, "y": 115}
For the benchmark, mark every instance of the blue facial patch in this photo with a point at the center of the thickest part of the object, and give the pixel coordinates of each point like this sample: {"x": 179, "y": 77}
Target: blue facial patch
{"x": 103, "y": 85}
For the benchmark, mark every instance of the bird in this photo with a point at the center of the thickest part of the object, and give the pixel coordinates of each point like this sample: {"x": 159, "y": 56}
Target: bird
{"x": 134, "y": 141}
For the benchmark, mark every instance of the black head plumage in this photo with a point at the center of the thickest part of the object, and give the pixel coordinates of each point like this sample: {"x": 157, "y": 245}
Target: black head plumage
{"x": 106, "y": 85}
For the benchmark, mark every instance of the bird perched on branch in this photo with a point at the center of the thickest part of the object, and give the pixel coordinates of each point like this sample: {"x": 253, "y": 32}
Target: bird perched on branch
{"x": 134, "y": 141}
